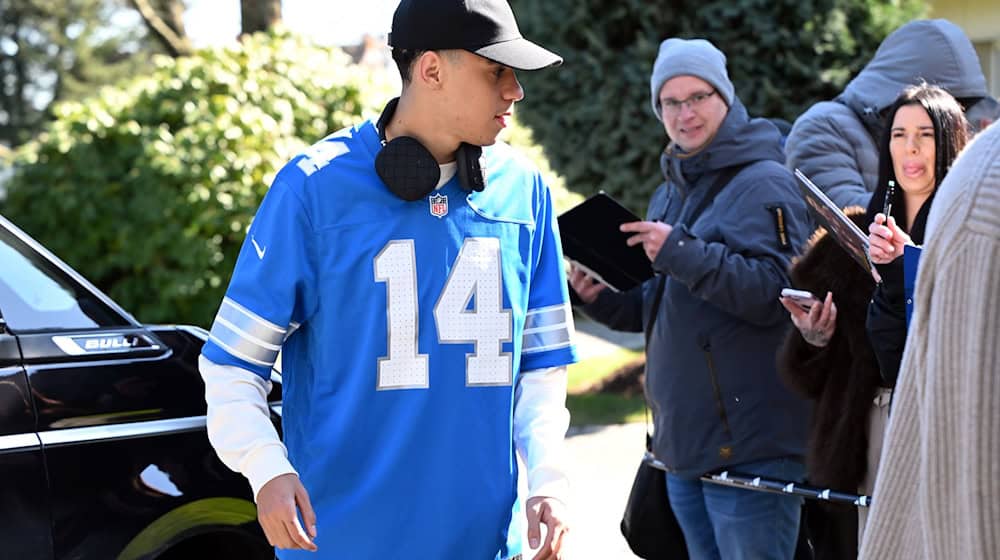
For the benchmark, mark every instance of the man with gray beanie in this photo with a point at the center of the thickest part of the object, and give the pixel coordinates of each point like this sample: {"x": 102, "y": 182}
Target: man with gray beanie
{"x": 721, "y": 233}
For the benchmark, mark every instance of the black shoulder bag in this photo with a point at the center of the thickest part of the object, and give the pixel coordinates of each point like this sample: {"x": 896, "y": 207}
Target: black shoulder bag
{"x": 649, "y": 525}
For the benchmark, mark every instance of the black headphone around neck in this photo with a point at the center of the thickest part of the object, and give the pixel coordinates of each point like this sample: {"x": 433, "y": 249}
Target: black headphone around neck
{"x": 411, "y": 172}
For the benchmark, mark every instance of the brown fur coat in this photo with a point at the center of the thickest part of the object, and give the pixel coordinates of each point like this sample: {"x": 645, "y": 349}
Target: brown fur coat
{"x": 842, "y": 377}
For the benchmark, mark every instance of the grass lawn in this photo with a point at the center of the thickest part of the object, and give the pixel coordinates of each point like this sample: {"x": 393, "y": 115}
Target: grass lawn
{"x": 589, "y": 408}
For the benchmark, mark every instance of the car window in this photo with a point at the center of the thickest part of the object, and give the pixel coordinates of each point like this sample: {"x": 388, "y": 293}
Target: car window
{"x": 36, "y": 295}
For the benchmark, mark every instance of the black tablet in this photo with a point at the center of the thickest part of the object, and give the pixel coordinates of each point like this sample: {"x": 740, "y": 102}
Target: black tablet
{"x": 591, "y": 240}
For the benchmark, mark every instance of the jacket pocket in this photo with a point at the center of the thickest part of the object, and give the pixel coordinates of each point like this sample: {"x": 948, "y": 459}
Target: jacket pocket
{"x": 717, "y": 389}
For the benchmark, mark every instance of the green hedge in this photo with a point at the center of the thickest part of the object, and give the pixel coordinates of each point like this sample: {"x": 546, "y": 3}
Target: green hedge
{"x": 148, "y": 189}
{"x": 592, "y": 115}
{"x": 521, "y": 137}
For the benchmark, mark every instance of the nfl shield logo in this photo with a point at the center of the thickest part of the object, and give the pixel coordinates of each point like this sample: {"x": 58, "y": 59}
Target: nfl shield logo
{"x": 439, "y": 205}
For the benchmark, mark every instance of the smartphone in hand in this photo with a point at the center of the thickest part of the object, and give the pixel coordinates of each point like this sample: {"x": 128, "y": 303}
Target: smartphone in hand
{"x": 802, "y": 298}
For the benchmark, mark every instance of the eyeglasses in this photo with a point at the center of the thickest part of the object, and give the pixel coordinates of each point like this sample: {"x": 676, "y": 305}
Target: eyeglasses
{"x": 673, "y": 106}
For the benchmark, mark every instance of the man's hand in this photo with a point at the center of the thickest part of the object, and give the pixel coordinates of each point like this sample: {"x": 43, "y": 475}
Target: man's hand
{"x": 886, "y": 240}
{"x": 652, "y": 235}
{"x": 816, "y": 325}
{"x": 542, "y": 510}
{"x": 278, "y": 504}
{"x": 584, "y": 286}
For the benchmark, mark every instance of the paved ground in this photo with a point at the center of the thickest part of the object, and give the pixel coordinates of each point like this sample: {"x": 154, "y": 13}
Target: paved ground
{"x": 602, "y": 462}
{"x": 593, "y": 339}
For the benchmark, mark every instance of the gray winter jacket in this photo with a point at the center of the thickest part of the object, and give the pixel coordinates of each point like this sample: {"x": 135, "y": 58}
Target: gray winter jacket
{"x": 835, "y": 142}
{"x": 712, "y": 379}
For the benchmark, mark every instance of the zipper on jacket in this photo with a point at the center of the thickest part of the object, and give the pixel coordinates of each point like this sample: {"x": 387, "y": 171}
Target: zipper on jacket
{"x": 718, "y": 393}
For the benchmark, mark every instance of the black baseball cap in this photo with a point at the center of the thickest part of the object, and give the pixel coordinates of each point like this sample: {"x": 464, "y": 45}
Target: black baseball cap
{"x": 484, "y": 27}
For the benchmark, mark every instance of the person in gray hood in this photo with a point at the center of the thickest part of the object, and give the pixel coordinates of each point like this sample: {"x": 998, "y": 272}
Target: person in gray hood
{"x": 721, "y": 233}
{"x": 833, "y": 142}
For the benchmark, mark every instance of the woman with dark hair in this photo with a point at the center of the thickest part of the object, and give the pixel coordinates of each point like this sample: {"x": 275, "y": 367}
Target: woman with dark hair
{"x": 926, "y": 130}
{"x": 837, "y": 362}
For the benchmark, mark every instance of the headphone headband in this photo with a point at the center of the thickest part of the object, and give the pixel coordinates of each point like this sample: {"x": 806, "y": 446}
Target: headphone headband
{"x": 409, "y": 169}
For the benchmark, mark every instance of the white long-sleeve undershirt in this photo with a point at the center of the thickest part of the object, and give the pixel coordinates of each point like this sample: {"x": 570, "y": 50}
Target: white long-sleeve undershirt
{"x": 240, "y": 428}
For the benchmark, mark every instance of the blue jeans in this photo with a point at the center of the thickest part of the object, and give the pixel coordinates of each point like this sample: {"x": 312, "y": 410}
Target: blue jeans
{"x": 726, "y": 523}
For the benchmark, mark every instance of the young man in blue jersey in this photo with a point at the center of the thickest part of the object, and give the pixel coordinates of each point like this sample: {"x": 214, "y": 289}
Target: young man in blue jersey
{"x": 413, "y": 282}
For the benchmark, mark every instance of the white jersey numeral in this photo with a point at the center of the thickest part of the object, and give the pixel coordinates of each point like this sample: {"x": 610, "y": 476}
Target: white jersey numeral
{"x": 403, "y": 368}
{"x": 476, "y": 278}
{"x": 469, "y": 310}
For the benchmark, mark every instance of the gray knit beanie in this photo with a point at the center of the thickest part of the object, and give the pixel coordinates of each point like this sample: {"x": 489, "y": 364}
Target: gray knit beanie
{"x": 690, "y": 57}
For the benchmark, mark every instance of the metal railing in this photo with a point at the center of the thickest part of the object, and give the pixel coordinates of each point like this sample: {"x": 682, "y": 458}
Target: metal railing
{"x": 761, "y": 484}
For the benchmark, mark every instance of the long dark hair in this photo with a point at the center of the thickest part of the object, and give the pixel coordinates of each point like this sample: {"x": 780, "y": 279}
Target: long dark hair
{"x": 950, "y": 136}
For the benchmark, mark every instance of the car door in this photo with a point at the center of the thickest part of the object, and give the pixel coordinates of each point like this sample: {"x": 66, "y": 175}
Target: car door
{"x": 119, "y": 413}
{"x": 24, "y": 499}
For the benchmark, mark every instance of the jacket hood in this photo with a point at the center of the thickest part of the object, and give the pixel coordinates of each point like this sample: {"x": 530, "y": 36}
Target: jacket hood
{"x": 740, "y": 140}
{"x": 936, "y": 51}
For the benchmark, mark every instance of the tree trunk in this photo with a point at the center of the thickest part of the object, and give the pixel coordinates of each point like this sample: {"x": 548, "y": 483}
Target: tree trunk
{"x": 165, "y": 22}
{"x": 259, "y": 15}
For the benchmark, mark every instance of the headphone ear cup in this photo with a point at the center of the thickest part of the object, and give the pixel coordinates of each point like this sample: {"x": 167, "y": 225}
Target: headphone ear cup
{"x": 407, "y": 168}
{"x": 471, "y": 171}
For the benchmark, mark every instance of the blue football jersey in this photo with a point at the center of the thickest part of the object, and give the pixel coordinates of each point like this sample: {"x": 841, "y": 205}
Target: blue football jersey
{"x": 403, "y": 328}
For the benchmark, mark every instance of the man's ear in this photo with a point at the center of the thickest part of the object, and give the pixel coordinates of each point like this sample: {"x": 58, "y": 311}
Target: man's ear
{"x": 429, "y": 70}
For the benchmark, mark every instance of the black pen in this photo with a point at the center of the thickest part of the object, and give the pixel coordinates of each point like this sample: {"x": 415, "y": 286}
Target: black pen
{"x": 887, "y": 205}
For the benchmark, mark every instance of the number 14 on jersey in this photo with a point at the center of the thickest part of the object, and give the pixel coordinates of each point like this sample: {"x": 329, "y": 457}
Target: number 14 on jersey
{"x": 477, "y": 274}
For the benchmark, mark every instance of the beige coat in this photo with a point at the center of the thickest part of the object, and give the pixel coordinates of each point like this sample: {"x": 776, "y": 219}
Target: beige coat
{"x": 938, "y": 489}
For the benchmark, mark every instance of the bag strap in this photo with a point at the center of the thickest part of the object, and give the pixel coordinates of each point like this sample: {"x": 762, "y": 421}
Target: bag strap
{"x": 725, "y": 176}
{"x": 661, "y": 281}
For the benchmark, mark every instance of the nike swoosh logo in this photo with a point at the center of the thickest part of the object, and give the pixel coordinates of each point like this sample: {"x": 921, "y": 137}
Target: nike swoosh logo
{"x": 256, "y": 247}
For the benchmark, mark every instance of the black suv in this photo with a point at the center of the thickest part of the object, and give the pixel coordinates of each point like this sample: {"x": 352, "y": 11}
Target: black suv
{"x": 103, "y": 449}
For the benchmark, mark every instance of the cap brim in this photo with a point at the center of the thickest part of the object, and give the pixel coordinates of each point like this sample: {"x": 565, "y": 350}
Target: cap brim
{"x": 520, "y": 54}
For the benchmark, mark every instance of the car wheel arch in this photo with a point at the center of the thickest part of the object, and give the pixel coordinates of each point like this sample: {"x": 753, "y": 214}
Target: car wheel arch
{"x": 225, "y": 523}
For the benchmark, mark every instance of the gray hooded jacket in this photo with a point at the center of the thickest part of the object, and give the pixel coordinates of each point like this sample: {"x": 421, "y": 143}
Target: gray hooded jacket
{"x": 712, "y": 379}
{"x": 835, "y": 142}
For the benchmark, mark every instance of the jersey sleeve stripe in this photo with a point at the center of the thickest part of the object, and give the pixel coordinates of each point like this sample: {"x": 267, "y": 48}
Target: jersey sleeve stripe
{"x": 219, "y": 319}
{"x": 235, "y": 343}
{"x": 237, "y": 354}
{"x": 242, "y": 314}
{"x": 547, "y": 317}
{"x": 566, "y": 344}
{"x": 545, "y": 329}
{"x": 253, "y": 316}
{"x": 292, "y": 327}
{"x": 545, "y": 340}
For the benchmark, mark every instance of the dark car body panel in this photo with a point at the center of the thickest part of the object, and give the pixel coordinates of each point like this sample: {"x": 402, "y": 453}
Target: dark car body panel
{"x": 103, "y": 445}
{"x": 24, "y": 504}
